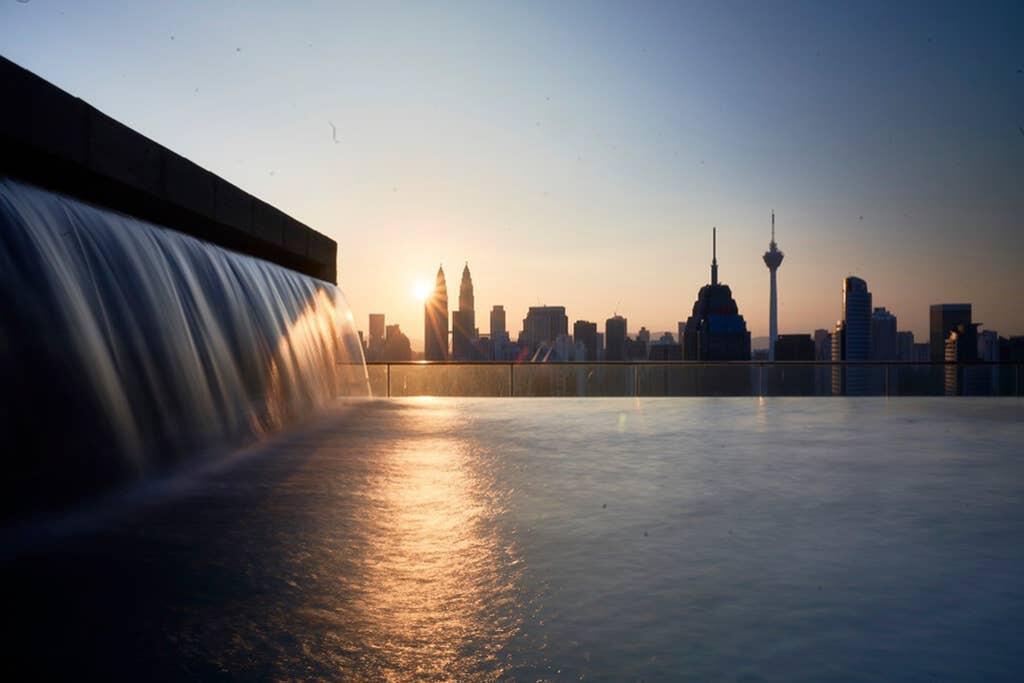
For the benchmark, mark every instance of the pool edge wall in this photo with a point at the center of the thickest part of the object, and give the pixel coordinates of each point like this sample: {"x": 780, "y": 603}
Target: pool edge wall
{"x": 57, "y": 141}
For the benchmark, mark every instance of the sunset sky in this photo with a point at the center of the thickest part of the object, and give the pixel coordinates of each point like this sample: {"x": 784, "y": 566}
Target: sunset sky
{"x": 578, "y": 154}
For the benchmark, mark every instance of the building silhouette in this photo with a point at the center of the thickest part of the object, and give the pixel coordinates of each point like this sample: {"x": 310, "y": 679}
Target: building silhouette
{"x": 636, "y": 349}
{"x": 715, "y": 330}
{"x": 822, "y": 345}
{"x": 961, "y": 346}
{"x": 435, "y": 320}
{"x": 773, "y": 259}
{"x": 943, "y": 319}
{"x": 792, "y": 347}
{"x": 498, "y": 328}
{"x": 396, "y": 345}
{"x": 464, "y": 333}
{"x": 585, "y": 332}
{"x": 665, "y": 349}
{"x": 884, "y": 340}
{"x": 794, "y": 380}
{"x": 905, "y": 345}
{"x": 374, "y": 345}
{"x": 542, "y": 325}
{"x": 851, "y": 340}
{"x": 615, "y": 330}
{"x": 499, "y": 341}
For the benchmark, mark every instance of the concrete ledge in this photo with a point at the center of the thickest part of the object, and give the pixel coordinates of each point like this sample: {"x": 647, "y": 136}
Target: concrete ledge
{"x": 49, "y": 138}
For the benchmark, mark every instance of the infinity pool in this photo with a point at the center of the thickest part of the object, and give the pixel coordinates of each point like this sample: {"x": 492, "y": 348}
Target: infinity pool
{"x": 619, "y": 539}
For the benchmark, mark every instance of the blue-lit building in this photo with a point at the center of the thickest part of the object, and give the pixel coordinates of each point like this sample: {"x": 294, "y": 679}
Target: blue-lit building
{"x": 715, "y": 330}
{"x": 851, "y": 340}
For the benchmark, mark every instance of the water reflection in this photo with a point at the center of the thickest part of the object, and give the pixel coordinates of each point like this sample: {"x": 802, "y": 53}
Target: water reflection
{"x": 427, "y": 579}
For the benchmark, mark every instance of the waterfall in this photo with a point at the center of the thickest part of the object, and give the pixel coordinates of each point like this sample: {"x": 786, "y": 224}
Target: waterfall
{"x": 126, "y": 347}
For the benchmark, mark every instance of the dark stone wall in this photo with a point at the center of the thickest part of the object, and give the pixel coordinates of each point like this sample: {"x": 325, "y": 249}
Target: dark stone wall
{"x": 55, "y": 140}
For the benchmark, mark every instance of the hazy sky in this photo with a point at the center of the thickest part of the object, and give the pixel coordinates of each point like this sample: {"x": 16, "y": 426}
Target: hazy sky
{"x": 578, "y": 154}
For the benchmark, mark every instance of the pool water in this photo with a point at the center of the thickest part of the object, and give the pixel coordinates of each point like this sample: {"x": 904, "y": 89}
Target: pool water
{"x": 616, "y": 539}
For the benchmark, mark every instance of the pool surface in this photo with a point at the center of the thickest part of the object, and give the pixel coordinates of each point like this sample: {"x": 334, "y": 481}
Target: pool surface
{"x": 618, "y": 539}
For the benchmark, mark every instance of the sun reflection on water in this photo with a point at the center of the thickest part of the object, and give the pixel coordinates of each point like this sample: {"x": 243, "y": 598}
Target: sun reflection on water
{"x": 435, "y": 582}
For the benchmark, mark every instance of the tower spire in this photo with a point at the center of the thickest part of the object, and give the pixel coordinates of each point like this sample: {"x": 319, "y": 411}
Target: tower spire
{"x": 714, "y": 256}
{"x": 773, "y": 259}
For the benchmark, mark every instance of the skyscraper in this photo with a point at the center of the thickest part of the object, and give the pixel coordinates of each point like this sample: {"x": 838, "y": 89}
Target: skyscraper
{"x": 542, "y": 325}
{"x": 942, "y": 319}
{"x": 498, "y": 322}
{"x": 773, "y": 259}
{"x": 375, "y": 344}
{"x": 905, "y": 344}
{"x": 615, "y": 329}
{"x": 499, "y": 341}
{"x": 852, "y": 339}
{"x": 884, "y": 340}
{"x": 464, "y": 320}
{"x": 377, "y": 327}
{"x": 396, "y": 345}
{"x": 715, "y": 330}
{"x": 585, "y": 332}
{"x": 791, "y": 347}
{"x": 961, "y": 346}
{"x": 435, "y": 320}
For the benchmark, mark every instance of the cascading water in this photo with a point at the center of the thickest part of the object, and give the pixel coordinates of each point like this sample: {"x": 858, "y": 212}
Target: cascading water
{"x": 126, "y": 347}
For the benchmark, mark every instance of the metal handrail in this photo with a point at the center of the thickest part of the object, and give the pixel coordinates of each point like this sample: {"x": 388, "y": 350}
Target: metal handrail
{"x": 1016, "y": 368}
{"x": 693, "y": 363}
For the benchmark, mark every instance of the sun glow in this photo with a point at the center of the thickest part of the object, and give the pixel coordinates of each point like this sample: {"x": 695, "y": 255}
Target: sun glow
{"x": 421, "y": 290}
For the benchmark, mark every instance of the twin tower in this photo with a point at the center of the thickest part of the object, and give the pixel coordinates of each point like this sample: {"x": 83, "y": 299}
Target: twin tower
{"x": 435, "y": 318}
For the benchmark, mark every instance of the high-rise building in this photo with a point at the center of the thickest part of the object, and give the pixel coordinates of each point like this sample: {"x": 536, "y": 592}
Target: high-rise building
{"x": 435, "y": 320}
{"x": 988, "y": 346}
{"x": 822, "y": 345}
{"x": 962, "y": 347}
{"x": 773, "y": 259}
{"x": 822, "y": 352}
{"x": 905, "y": 345}
{"x": 396, "y": 345}
{"x": 585, "y": 332}
{"x": 377, "y": 327}
{"x": 375, "y": 342}
{"x": 636, "y": 349}
{"x": 798, "y": 380}
{"x": 884, "y": 341}
{"x": 542, "y": 325}
{"x": 464, "y": 321}
{"x": 851, "y": 340}
{"x": 615, "y": 330}
{"x": 665, "y": 348}
{"x": 498, "y": 321}
{"x": 942, "y": 319}
{"x": 790, "y": 347}
{"x": 715, "y": 330}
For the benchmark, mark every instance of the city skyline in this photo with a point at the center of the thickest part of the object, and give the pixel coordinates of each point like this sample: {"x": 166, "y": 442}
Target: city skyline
{"x": 423, "y": 293}
{"x": 555, "y": 147}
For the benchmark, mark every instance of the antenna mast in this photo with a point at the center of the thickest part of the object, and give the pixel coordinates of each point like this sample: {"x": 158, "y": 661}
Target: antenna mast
{"x": 714, "y": 256}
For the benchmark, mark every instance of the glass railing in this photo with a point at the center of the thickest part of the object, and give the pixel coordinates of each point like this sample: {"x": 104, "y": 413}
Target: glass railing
{"x": 755, "y": 378}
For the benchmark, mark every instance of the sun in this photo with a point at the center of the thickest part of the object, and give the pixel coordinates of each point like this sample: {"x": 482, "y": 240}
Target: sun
{"x": 421, "y": 290}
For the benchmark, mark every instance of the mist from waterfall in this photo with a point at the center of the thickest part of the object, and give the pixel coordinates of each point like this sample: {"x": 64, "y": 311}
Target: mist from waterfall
{"x": 126, "y": 347}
